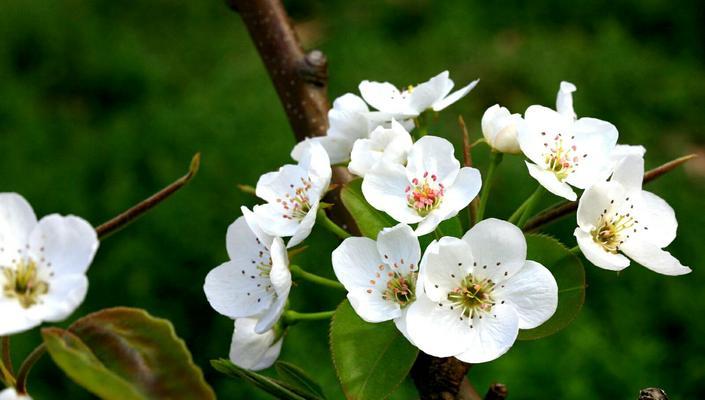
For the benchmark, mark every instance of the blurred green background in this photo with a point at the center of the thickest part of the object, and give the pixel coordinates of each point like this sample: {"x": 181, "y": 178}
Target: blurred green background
{"x": 104, "y": 102}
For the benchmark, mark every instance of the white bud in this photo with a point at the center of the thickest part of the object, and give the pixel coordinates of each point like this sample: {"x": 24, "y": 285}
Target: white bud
{"x": 499, "y": 127}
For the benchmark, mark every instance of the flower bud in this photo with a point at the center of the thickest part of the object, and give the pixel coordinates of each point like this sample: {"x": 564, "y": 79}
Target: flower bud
{"x": 499, "y": 127}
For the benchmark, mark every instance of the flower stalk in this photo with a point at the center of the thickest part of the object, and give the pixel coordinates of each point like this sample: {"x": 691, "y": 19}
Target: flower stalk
{"x": 26, "y": 367}
{"x": 330, "y": 225}
{"x": 291, "y": 317}
{"x": 529, "y": 205}
{"x": 495, "y": 160}
{"x": 298, "y": 272}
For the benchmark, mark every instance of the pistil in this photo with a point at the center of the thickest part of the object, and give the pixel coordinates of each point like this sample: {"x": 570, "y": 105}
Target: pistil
{"x": 24, "y": 284}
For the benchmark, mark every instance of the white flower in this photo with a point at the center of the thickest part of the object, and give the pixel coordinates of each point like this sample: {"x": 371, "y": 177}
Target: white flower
{"x": 293, "y": 194}
{"x": 499, "y": 127}
{"x": 428, "y": 190}
{"x": 433, "y": 94}
{"x": 11, "y": 394}
{"x": 618, "y": 217}
{"x": 380, "y": 276}
{"x": 251, "y": 350}
{"x": 391, "y": 144}
{"x": 475, "y": 293}
{"x": 42, "y": 265}
{"x": 256, "y": 281}
{"x": 565, "y": 151}
{"x": 347, "y": 123}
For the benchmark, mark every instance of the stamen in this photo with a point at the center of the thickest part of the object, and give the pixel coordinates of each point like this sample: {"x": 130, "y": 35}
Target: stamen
{"x": 24, "y": 284}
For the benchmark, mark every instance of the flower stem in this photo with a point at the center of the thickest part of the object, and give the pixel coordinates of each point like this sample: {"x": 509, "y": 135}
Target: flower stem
{"x": 529, "y": 206}
{"x": 495, "y": 159}
{"x": 291, "y": 317}
{"x": 298, "y": 272}
{"x": 330, "y": 225}
{"x": 6, "y": 373}
{"x": 26, "y": 366}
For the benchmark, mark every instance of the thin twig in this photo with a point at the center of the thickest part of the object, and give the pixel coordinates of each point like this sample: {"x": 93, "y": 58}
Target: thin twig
{"x": 6, "y": 358}
{"x": 565, "y": 208}
{"x": 138, "y": 210}
{"x": 497, "y": 391}
{"x": 467, "y": 158}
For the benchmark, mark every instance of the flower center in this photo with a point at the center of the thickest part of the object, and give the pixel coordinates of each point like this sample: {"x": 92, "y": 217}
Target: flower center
{"x": 424, "y": 195}
{"x": 401, "y": 288}
{"x": 613, "y": 229}
{"x": 297, "y": 204}
{"x": 23, "y": 283}
{"x": 560, "y": 156}
{"x": 473, "y": 295}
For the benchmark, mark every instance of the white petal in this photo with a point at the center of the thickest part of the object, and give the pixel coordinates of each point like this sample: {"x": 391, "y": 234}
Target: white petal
{"x": 548, "y": 180}
{"x": 66, "y": 244}
{"x": 541, "y": 124}
{"x": 17, "y": 220}
{"x": 384, "y": 187}
{"x": 338, "y": 149}
{"x": 594, "y": 142}
{"x": 271, "y": 316}
{"x": 275, "y": 185}
{"x": 595, "y": 200}
{"x": 455, "y": 96}
{"x": 279, "y": 275}
{"x": 597, "y": 254}
{"x": 629, "y": 172}
{"x": 245, "y": 242}
{"x": 371, "y": 307}
{"x": 383, "y": 96}
{"x": 250, "y": 350}
{"x": 430, "y": 222}
{"x": 424, "y": 95}
{"x": 65, "y": 295}
{"x": 401, "y": 247}
{"x": 492, "y": 336}
{"x": 227, "y": 287}
{"x": 11, "y": 394}
{"x": 433, "y": 155}
{"x": 391, "y": 144}
{"x": 660, "y": 219}
{"x": 464, "y": 189}
{"x": 274, "y": 220}
{"x": 653, "y": 258}
{"x": 533, "y": 292}
{"x": 347, "y": 118}
{"x": 437, "y": 330}
{"x": 498, "y": 248}
{"x": 305, "y": 227}
{"x": 564, "y": 100}
{"x": 401, "y": 325}
{"x": 316, "y": 164}
{"x": 15, "y": 319}
{"x": 443, "y": 267}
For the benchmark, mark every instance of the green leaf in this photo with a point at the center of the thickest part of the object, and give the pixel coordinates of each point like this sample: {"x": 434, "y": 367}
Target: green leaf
{"x": 570, "y": 275}
{"x": 298, "y": 378}
{"x": 125, "y": 353}
{"x": 368, "y": 219}
{"x": 371, "y": 360}
{"x": 278, "y": 389}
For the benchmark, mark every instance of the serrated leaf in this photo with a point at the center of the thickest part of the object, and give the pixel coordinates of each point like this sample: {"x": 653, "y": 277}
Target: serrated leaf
{"x": 298, "y": 378}
{"x": 371, "y": 360}
{"x": 570, "y": 276}
{"x": 368, "y": 219}
{"x": 278, "y": 389}
{"x": 125, "y": 353}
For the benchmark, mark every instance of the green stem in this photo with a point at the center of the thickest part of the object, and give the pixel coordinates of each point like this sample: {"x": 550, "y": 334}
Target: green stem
{"x": 298, "y": 272}
{"x": 495, "y": 159}
{"x": 330, "y": 225}
{"x": 6, "y": 373}
{"x": 530, "y": 206}
{"x": 26, "y": 366}
{"x": 576, "y": 250}
{"x": 518, "y": 212}
{"x": 291, "y": 317}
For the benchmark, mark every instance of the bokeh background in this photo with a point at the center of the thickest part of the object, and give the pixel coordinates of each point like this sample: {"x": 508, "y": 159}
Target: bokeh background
{"x": 104, "y": 102}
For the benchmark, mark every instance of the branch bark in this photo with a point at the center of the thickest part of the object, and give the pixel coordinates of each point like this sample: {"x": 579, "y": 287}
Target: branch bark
{"x": 301, "y": 81}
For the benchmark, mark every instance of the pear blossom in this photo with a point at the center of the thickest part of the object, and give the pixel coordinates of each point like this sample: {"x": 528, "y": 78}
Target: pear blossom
{"x": 429, "y": 189}
{"x": 499, "y": 127}
{"x": 433, "y": 94}
{"x": 392, "y": 144}
{"x": 256, "y": 281}
{"x": 617, "y": 219}
{"x": 293, "y": 194}
{"x": 475, "y": 293}
{"x": 380, "y": 276}
{"x": 347, "y": 123}
{"x": 251, "y": 350}
{"x": 11, "y": 394}
{"x": 566, "y": 151}
{"x": 42, "y": 265}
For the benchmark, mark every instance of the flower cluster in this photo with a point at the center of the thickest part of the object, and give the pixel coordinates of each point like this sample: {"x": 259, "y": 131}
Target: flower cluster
{"x": 465, "y": 297}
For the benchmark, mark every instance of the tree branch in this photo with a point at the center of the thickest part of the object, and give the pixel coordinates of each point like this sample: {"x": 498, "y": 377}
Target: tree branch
{"x": 565, "y": 208}
{"x": 497, "y": 391}
{"x": 652, "y": 394}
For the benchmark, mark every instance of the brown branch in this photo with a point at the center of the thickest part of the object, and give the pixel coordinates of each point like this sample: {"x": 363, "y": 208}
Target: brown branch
{"x": 138, "y": 210}
{"x": 566, "y": 208}
{"x": 438, "y": 378}
{"x": 652, "y": 394}
{"x": 497, "y": 391}
{"x": 467, "y": 158}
